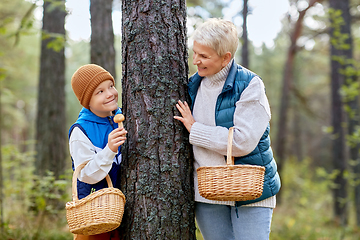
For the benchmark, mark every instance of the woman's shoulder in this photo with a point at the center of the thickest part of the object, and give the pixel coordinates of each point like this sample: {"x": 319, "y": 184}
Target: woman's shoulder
{"x": 244, "y": 74}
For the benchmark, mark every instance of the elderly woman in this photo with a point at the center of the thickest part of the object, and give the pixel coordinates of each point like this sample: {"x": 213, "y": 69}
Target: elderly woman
{"x": 225, "y": 94}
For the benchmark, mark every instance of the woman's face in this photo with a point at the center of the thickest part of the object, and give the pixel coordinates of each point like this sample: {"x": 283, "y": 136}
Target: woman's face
{"x": 207, "y": 60}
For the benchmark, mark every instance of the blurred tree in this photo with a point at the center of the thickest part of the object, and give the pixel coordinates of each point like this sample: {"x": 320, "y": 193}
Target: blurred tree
{"x": 341, "y": 60}
{"x": 282, "y": 130}
{"x": 102, "y": 35}
{"x": 50, "y": 124}
{"x": 16, "y": 19}
{"x": 244, "y": 37}
{"x": 157, "y": 158}
{"x": 342, "y": 25}
{"x": 19, "y": 61}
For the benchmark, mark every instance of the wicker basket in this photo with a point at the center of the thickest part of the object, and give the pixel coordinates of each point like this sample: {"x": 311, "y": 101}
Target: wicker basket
{"x": 99, "y": 212}
{"x": 231, "y": 182}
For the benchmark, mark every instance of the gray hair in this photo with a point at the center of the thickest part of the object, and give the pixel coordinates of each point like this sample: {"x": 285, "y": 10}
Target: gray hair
{"x": 218, "y": 34}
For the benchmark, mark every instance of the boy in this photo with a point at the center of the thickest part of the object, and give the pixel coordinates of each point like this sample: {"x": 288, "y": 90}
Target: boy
{"x": 94, "y": 137}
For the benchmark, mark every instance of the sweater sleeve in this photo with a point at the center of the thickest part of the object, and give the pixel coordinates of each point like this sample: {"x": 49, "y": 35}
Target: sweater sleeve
{"x": 100, "y": 160}
{"x": 251, "y": 117}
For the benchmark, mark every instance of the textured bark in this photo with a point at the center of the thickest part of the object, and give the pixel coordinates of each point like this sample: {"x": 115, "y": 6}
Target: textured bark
{"x": 102, "y": 35}
{"x": 50, "y": 124}
{"x": 157, "y": 171}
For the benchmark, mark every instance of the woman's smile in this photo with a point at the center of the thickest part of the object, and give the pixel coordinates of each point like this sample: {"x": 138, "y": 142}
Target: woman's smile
{"x": 207, "y": 60}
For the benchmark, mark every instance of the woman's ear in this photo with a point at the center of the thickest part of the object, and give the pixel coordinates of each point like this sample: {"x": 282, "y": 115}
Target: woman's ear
{"x": 226, "y": 59}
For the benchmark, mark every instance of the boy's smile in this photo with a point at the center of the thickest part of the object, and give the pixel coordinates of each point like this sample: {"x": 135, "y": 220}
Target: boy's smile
{"x": 104, "y": 99}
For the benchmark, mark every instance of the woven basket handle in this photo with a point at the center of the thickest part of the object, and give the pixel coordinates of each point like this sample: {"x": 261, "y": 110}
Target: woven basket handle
{"x": 74, "y": 180}
{"x": 230, "y": 158}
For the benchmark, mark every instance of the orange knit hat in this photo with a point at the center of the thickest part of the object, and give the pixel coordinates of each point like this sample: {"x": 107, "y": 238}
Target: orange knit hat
{"x": 86, "y": 79}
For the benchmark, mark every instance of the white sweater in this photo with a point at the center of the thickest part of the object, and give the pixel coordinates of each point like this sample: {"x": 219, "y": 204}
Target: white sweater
{"x": 251, "y": 117}
{"x": 82, "y": 149}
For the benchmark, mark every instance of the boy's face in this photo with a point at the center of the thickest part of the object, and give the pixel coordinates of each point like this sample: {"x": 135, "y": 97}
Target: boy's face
{"x": 104, "y": 99}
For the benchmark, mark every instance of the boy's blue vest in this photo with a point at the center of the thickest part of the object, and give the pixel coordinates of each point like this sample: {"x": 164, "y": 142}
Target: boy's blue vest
{"x": 97, "y": 130}
{"x": 237, "y": 80}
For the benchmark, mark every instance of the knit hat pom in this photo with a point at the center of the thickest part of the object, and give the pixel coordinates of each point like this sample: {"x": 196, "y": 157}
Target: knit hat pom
{"x": 86, "y": 79}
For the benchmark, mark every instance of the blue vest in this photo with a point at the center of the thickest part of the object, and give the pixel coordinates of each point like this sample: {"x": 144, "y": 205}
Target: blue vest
{"x": 97, "y": 129}
{"x": 236, "y": 82}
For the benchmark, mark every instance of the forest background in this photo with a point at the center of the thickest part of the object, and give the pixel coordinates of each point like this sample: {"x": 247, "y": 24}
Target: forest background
{"x": 32, "y": 204}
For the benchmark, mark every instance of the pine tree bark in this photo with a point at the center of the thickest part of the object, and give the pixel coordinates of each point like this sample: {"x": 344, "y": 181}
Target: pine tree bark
{"x": 102, "y": 50}
{"x": 157, "y": 172}
{"x": 50, "y": 123}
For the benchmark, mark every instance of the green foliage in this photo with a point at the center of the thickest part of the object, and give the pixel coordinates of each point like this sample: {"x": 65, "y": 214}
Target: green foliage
{"x": 26, "y": 24}
{"x": 354, "y": 138}
{"x": 55, "y": 4}
{"x": 46, "y": 192}
{"x": 350, "y": 69}
{"x": 56, "y": 41}
{"x": 350, "y": 91}
{"x": 339, "y": 39}
{"x": 20, "y": 64}
{"x": 13, "y": 233}
{"x": 306, "y": 208}
{"x": 2, "y": 74}
{"x": 34, "y": 205}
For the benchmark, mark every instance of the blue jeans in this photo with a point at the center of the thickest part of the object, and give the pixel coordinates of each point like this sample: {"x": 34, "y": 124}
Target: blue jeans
{"x": 221, "y": 222}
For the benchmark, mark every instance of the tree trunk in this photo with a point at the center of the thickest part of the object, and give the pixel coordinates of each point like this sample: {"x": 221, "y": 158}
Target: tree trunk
{"x": 50, "y": 124}
{"x": 245, "y": 47}
{"x": 352, "y": 102}
{"x": 280, "y": 146}
{"x": 340, "y": 28}
{"x": 157, "y": 171}
{"x": 102, "y": 35}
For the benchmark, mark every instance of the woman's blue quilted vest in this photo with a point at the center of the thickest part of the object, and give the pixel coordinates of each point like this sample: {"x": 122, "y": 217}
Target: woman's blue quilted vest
{"x": 237, "y": 80}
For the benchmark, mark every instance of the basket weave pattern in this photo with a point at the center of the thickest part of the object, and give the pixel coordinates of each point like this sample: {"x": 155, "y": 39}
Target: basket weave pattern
{"x": 231, "y": 182}
{"x": 99, "y": 212}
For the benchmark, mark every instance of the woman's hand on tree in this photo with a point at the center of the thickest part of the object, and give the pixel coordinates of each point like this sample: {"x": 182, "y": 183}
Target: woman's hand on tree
{"x": 186, "y": 116}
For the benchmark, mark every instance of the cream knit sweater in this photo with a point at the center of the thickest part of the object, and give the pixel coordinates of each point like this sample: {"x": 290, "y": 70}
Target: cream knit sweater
{"x": 251, "y": 117}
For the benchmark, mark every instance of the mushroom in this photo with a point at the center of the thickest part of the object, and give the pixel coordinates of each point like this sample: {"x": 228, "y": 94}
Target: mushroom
{"x": 119, "y": 118}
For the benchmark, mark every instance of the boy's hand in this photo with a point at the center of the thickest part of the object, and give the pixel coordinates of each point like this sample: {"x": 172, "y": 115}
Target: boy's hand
{"x": 116, "y": 138}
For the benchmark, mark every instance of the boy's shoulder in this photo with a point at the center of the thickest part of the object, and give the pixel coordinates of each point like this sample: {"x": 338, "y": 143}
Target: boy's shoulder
{"x": 86, "y": 116}
{"x": 77, "y": 125}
